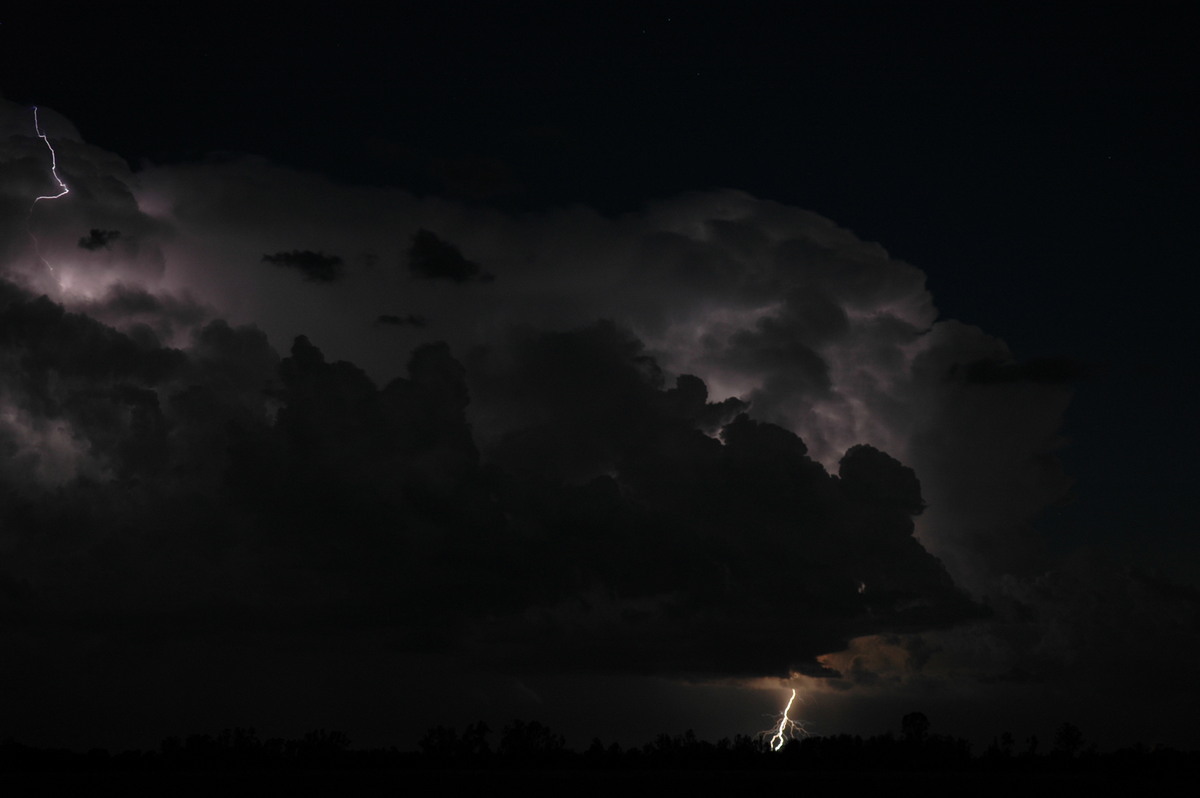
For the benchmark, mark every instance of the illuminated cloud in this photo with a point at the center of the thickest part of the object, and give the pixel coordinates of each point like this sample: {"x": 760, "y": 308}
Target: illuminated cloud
{"x": 719, "y": 436}
{"x": 822, "y": 333}
{"x": 101, "y": 200}
{"x": 604, "y": 509}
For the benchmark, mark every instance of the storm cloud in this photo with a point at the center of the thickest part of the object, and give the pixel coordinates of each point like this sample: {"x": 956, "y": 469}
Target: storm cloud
{"x": 604, "y": 512}
{"x": 719, "y": 437}
{"x": 805, "y": 325}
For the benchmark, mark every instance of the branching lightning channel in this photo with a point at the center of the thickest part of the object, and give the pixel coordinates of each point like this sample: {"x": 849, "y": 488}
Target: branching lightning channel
{"x": 57, "y": 179}
{"x": 787, "y": 729}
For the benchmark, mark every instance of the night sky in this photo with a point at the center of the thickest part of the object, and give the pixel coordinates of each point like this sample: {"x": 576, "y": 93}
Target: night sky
{"x": 617, "y": 366}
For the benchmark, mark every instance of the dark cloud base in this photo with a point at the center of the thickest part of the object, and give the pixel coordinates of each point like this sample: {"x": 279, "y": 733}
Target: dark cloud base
{"x": 217, "y": 493}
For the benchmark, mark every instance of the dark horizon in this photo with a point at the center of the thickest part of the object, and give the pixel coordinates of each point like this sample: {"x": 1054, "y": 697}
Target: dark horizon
{"x": 914, "y": 738}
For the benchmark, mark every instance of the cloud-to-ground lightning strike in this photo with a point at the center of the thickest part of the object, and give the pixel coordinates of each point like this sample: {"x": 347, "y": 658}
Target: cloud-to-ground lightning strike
{"x": 62, "y": 185}
{"x": 787, "y": 728}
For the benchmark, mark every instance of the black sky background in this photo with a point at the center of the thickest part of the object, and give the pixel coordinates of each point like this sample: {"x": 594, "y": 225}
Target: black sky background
{"x": 1036, "y": 161}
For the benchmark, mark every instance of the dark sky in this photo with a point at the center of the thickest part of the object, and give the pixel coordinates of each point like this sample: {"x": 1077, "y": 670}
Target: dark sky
{"x": 208, "y": 522}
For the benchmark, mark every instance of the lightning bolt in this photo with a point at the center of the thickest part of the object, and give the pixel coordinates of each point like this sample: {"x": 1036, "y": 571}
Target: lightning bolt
{"x": 787, "y": 729}
{"x": 37, "y": 248}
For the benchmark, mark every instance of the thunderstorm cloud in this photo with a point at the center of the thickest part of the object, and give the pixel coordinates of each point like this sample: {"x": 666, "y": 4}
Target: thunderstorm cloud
{"x": 717, "y": 437}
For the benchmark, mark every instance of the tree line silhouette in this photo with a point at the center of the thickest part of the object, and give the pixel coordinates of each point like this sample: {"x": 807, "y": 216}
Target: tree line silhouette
{"x": 531, "y": 745}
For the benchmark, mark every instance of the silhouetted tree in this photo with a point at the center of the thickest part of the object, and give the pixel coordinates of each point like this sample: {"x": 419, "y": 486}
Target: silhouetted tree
{"x": 530, "y": 742}
{"x": 1032, "y": 746}
{"x": 1068, "y": 741}
{"x": 439, "y": 743}
{"x": 1001, "y": 748}
{"x": 473, "y": 743}
{"x": 595, "y": 754}
{"x": 323, "y": 748}
{"x": 914, "y": 727}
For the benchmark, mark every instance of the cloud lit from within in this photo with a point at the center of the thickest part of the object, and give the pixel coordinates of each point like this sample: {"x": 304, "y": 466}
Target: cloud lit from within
{"x": 189, "y": 283}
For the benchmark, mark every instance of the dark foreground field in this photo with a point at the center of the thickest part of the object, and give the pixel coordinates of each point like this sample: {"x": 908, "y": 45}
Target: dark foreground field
{"x": 578, "y": 784}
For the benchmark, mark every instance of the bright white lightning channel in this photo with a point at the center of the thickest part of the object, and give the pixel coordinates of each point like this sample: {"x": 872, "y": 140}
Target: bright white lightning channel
{"x": 65, "y": 191}
{"x": 787, "y": 729}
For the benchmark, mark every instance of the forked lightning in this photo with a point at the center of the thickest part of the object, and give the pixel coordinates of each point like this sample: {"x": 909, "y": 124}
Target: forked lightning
{"x": 788, "y": 729}
{"x": 62, "y": 185}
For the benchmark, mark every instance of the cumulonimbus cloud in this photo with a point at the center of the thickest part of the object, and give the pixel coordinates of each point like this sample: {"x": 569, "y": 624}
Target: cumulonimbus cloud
{"x": 741, "y": 444}
{"x": 605, "y": 509}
